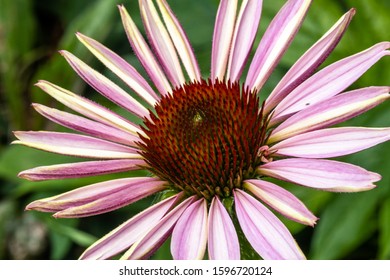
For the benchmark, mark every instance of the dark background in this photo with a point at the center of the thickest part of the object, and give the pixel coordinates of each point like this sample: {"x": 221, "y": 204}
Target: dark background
{"x": 351, "y": 226}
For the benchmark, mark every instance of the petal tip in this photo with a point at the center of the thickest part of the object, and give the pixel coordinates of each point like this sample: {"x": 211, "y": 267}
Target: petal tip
{"x": 23, "y": 175}
{"x": 352, "y": 12}
{"x": 61, "y": 214}
{"x": 32, "y": 205}
{"x": 17, "y": 134}
{"x": 81, "y": 37}
{"x": 122, "y": 9}
{"x": 15, "y": 142}
{"x": 312, "y": 223}
{"x": 41, "y": 84}
{"x": 375, "y": 177}
{"x": 63, "y": 52}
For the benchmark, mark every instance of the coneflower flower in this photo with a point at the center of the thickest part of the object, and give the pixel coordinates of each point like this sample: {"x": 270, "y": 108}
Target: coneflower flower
{"x": 208, "y": 142}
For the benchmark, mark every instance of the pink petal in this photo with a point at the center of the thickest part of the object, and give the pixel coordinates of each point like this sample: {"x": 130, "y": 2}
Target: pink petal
{"x": 144, "y": 54}
{"x": 223, "y": 33}
{"x": 281, "y": 200}
{"x": 153, "y": 239}
{"x": 180, "y": 41}
{"x": 191, "y": 226}
{"x": 121, "y": 68}
{"x": 129, "y": 232}
{"x": 223, "y": 241}
{"x": 98, "y": 198}
{"x": 331, "y": 142}
{"x": 87, "y": 126}
{"x": 308, "y": 62}
{"x": 74, "y": 145}
{"x": 161, "y": 42}
{"x": 88, "y": 108}
{"x": 105, "y": 87}
{"x": 264, "y": 231}
{"x": 329, "y": 81}
{"x": 321, "y": 174}
{"x": 275, "y": 42}
{"x": 244, "y": 35}
{"x": 330, "y": 112}
{"x": 81, "y": 169}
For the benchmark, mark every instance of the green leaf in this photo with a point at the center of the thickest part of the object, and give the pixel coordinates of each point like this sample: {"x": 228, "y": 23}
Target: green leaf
{"x": 17, "y": 33}
{"x": 63, "y": 233}
{"x": 164, "y": 252}
{"x": 69, "y": 230}
{"x": 7, "y": 214}
{"x": 60, "y": 246}
{"x": 345, "y": 224}
{"x": 373, "y": 17}
{"x": 18, "y": 26}
{"x": 17, "y": 158}
{"x": 314, "y": 200}
{"x": 97, "y": 22}
{"x": 384, "y": 231}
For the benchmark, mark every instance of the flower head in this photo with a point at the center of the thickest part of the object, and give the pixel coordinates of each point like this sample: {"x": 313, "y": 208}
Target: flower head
{"x": 209, "y": 141}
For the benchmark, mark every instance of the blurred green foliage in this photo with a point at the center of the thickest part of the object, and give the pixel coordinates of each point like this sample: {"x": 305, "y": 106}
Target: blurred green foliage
{"x": 351, "y": 226}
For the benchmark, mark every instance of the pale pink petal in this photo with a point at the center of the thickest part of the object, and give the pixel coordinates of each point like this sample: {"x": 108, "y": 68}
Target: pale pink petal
{"x": 105, "y": 87}
{"x": 74, "y": 145}
{"x": 329, "y": 82}
{"x": 180, "y": 41}
{"x": 81, "y": 169}
{"x": 129, "y": 232}
{"x": 222, "y": 238}
{"x": 88, "y": 108}
{"x": 223, "y": 33}
{"x": 331, "y": 142}
{"x": 275, "y": 42}
{"x": 264, "y": 231}
{"x": 153, "y": 239}
{"x": 121, "y": 68}
{"x": 144, "y": 54}
{"x": 330, "y": 112}
{"x": 321, "y": 174}
{"x": 162, "y": 44}
{"x": 308, "y": 62}
{"x": 87, "y": 126}
{"x": 244, "y": 35}
{"x": 98, "y": 198}
{"x": 189, "y": 237}
{"x": 281, "y": 200}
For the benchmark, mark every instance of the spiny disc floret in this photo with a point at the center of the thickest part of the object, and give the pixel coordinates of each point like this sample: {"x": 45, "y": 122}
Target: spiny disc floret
{"x": 204, "y": 137}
